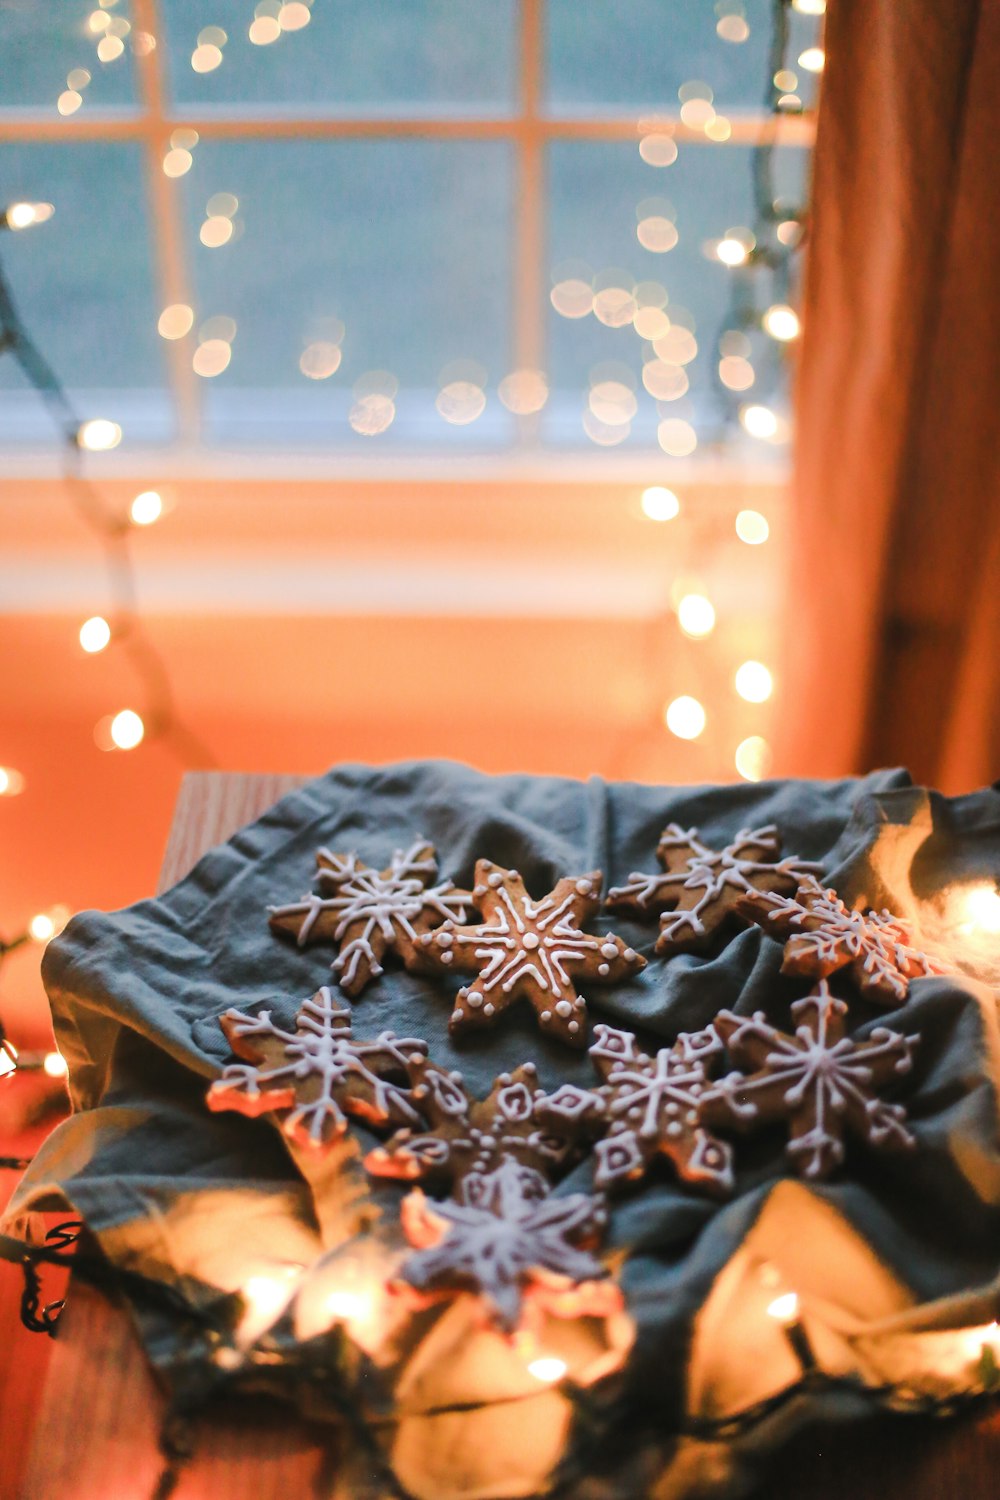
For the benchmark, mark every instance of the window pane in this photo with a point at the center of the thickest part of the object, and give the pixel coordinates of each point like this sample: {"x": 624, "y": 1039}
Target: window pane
{"x": 452, "y": 56}
{"x": 83, "y": 284}
{"x": 633, "y": 55}
{"x": 599, "y": 194}
{"x": 43, "y": 41}
{"x": 348, "y": 257}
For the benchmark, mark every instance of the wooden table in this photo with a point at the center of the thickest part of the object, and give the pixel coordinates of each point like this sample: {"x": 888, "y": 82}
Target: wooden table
{"x": 99, "y": 1410}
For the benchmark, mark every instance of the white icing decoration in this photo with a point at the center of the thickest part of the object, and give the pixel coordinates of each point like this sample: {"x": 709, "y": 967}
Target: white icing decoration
{"x": 385, "y": 903}
{"x": 707, "y": 871}
{"x": 320, "y": 1049}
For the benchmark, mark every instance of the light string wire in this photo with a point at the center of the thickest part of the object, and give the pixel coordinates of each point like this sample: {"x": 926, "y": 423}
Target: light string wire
{"x": 768, "y": 253}
{"x": 128, "y": 631}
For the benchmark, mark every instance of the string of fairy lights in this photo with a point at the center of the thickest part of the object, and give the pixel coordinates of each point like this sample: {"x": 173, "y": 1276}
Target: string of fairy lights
{"x": 122, "y": 626}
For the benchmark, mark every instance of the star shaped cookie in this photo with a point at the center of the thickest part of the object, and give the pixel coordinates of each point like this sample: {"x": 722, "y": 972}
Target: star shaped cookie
{"x": 824, "y": 1083}
{"x": 701, "y": 887}
{"x": 367, "y": 912}
{"x": 822, "y": 935}
{"x": 530, "y": 950}
{"x": 316, "y": 1075}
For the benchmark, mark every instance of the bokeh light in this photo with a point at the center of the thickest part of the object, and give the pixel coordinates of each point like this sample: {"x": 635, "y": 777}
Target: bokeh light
{"x": 320, "y": 360}
{"x": 753, "y": 758}
{"x": 146, "y": 509}
{"x": 685, "y": 717}
{"x": 658, "y": 149}
{"x": 696, "y": 615}
{"x": 99, "y": 435}
{"x": 211, "y": 357}
{"x": 524, "y": 391}
{"x": 759, "y": 421}
{"x": 127, "y": 729}
{"x": 659, "y": 504}
{"x": 12, "y": 783}
{"x": 95, "y": 634}
{"x": 782, "y": 322}
{"x": 664, "y": 381}
{"x": 175, "y": 321}
{"x": 676, "y": 437}
{"x": 736, "y": 374}
{"x": 754, "y": 682}
{"x": 752, "y": 528}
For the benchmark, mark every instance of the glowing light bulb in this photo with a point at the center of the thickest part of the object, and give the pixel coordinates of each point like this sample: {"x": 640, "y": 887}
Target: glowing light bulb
{"x": 95, "y": 634}
{"x": 782, "y": 322}
{"x": 11, "y": 782}
{"x": 294, "y": 15}
{"x": 548, "y": 1368}
{"x": 206, "y": 58}
{"x": 146, "y": 508}
{"x": 696, "y": 615}
{"x": 731, "y": 252}
{"x": 266, "y": 1295}
{"x": 812, "y": 59}
{"x": 659, "y": 504}
{"x": 55, "y": 1065}
{"x": 685, "y": 718}
{"x": 979, "y": 907}
{"x": 752, "y": 528}
{"x": 8, "y": 1058}
{"x": 759, "y": 421}
{"x": 45, "y": 924}
{"x": 177, "y": 161}
{"x": 347, "y": 1306}
{"x": 99, "y": 435}
{"x": 754, "y": 682}
{"x": 24, "y": 215}
{"x": 753, "y": 758}
{"x": 809, "y": 7}
{"x": 784, "y": 1309}
{"x": 127, "y": 729}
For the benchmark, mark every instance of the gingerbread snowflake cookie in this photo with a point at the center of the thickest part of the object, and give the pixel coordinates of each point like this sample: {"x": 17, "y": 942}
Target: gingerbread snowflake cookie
{"x": 824, "y": 1083}
{"x": 653, "y": 1110}
{"x": 821, "y": 935}
{"x": 531, "y": 950}
{"x": 500, "y": 1233}
{"x": 508, "y": 1238}
{"x": 368, "y": 912}
{"x": 700, "y": 888}
{"x": 316, "y": 1075}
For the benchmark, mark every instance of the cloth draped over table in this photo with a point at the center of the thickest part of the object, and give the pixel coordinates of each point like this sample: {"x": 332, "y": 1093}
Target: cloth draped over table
{"x": 203, "y": 1200}
{"x": 894, "y": 652}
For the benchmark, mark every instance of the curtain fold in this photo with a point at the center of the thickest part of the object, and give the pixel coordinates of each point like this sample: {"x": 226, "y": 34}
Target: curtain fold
{"x": 894, "y": 649}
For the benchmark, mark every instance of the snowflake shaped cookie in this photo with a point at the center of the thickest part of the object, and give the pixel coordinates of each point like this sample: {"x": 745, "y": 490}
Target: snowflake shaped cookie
{"x": 366, "y": 912}
{"x": 317, "y": 1073}
{"x": 820, "y": 1080}
{"x": 532, "y": 950}
{"x": 653, "y": 1109}
{"x": 467, "y": 1135}
{"x": 822, "y": 935}
{"x": 701, "y": 887}
{"x": 507, "y": 1238}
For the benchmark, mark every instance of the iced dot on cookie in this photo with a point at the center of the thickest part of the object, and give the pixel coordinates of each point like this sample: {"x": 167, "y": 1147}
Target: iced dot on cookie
{"x": 603, "y": 970}
{"x": 610, "y": 950}
{"x": 573, "y": 1027}
{"x": 479, "y": 890}
{"x": 629, "y": 955}
{"x": 488, "y": 1010}
{"x": 473, "y": 998}
{"x": 496, "y": 879}
{"x": 545, "y": 1017}
{"x": 563, "y": 1008}
{"x": 530, "y": 940}
{"x": 445, "y": 938}
{"x": 585, "y": 887}
{"x": 456, "y": 1017}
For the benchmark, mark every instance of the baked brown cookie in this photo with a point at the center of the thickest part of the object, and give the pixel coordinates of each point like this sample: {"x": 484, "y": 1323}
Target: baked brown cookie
{"x": 316, "y": 1075}
{"x": 368, "y": 912}
{"x": 822, "y": 935}
{"x": 821, "y": 1081}
{"x": 530, "y": 950}
{"x": 701, "y": 888}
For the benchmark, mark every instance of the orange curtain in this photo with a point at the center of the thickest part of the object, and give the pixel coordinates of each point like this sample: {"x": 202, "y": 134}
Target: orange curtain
{"x": 894, "y": 644}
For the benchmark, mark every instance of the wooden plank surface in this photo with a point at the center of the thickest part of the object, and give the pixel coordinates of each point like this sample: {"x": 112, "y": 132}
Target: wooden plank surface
{"x": 100, "y": 1411}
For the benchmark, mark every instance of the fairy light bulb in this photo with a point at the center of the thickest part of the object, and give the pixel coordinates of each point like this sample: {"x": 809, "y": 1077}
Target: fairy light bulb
{"x": 731, "y": 252}
{"x": 146, "y": 508}
{"x": 24, "y": 215}
{"x": 696, "y": 615}
{"x": 659, "y": 503}
{"x": 548, "y": 1368}
{"x": 127, "y": 729}
{"x": 813, "y": 59}
{"x": 784, "y": 1309}
{"x": 753, "y": 758}
{"x": 754, "y": 682}
{"x": 98, "y": 435}
{"x": 55, "y": 1065}
{"x": 8, "y": 1058}
{"x": 782, "y": 322}
{"x": 95, "y": 634}
{"x": 752, "y": 528}
{"x": 11, "y": 782}
{"x": 759, "y": 421}
{"x": 685, "y": 718}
